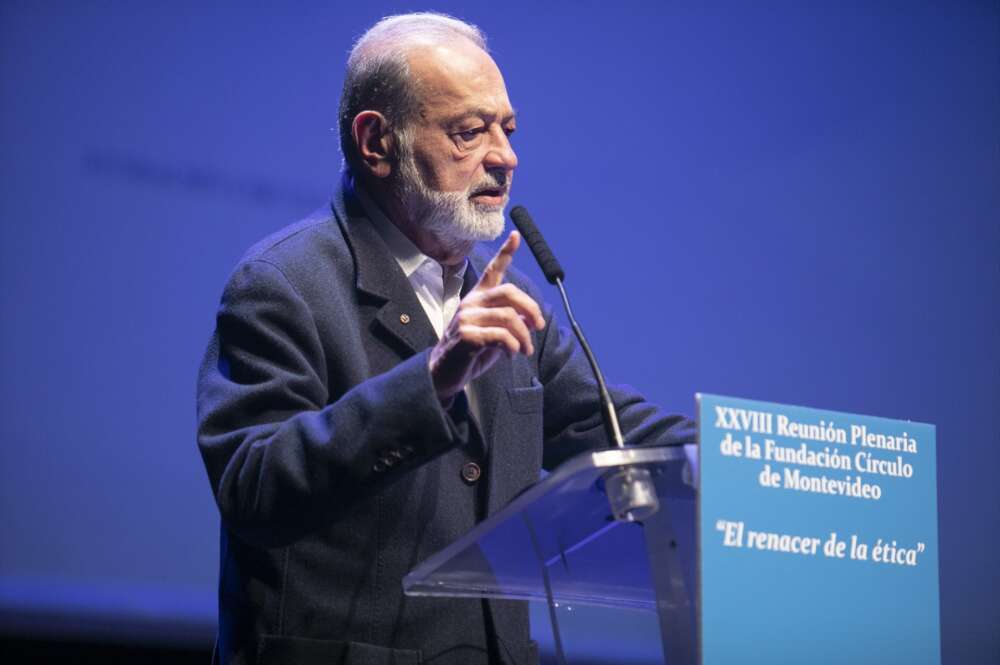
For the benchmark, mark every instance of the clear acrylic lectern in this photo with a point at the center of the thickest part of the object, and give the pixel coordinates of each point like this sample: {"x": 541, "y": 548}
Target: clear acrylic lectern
{"x": 558, "y": 542}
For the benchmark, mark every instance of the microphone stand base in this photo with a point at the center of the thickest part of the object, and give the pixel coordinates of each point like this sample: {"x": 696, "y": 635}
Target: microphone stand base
{"x": 632, "y": 494}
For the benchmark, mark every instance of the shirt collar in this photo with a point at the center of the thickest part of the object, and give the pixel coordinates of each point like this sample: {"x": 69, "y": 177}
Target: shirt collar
{"x": 407, "y": 255}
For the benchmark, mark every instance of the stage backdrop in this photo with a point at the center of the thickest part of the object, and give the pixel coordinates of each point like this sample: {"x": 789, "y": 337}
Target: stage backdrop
{"x": 793, "y": 202}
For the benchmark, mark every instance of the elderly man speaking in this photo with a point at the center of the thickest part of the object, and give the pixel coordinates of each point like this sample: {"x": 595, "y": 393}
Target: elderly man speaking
{"x": 374, "y": 388}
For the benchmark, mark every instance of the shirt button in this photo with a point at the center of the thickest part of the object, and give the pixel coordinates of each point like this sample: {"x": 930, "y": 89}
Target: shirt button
{"x": 471, "y": 472}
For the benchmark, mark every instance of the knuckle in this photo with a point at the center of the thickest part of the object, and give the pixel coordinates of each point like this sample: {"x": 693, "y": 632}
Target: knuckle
{"x": 492, "y": 296}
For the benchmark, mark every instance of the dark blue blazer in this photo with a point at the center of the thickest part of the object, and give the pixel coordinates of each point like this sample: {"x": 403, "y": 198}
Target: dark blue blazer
{"x": 316, "y": 376}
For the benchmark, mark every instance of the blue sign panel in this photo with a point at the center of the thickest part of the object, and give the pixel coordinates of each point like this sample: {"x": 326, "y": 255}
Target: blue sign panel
{"x": 818, "y": 535}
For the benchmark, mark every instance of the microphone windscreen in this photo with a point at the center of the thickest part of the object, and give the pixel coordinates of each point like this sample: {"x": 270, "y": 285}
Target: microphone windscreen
{"x": 550, "y": 266}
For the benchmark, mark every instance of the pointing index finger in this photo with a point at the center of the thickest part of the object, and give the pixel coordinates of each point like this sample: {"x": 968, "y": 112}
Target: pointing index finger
{"x": 497, "y": 268}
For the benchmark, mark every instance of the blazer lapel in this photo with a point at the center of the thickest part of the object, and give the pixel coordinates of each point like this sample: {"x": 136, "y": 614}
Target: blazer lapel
{"x": 378, "y": 275}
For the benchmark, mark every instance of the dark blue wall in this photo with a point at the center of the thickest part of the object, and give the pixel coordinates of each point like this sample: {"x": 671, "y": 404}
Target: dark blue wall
{"x": 795, "y": 202}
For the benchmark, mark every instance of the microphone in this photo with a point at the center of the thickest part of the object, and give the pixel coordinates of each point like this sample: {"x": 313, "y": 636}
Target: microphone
{"x": 546, "y": 259}
{"x": 630, "y": 490}
{"x": 555, "y": 275}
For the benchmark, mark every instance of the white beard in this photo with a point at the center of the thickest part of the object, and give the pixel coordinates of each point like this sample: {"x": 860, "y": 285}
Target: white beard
{"x": 451, "y": 216}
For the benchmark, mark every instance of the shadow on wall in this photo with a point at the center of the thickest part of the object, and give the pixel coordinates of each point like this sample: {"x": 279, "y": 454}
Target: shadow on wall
{"x": 196, "y": 179}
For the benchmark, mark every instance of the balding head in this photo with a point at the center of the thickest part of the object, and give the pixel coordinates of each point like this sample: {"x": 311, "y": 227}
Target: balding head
{"x": 379, "y": 76}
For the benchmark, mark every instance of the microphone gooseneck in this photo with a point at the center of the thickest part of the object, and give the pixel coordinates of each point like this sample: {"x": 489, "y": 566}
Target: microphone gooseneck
{"x": 555, "y": 275}
{"x": 630, "y": 490}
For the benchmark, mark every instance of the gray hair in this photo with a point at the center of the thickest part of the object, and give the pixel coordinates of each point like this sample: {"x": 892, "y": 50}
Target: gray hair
{"x": 378, "y": 73}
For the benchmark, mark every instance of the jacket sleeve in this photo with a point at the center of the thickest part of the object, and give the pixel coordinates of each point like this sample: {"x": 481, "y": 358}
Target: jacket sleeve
{"x": 282, "y": 458}
{"x": 572, "y": 414}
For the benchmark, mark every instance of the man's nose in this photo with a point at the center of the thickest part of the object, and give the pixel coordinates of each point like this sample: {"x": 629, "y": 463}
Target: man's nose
{"x": 501, "y": 154}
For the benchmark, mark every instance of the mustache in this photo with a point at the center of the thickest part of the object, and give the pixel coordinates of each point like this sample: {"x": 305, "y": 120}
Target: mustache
{"x": 494, "y": 184}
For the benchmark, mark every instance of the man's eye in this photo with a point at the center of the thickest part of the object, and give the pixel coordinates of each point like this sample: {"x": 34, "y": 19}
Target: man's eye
{"x": 469, "y": 136}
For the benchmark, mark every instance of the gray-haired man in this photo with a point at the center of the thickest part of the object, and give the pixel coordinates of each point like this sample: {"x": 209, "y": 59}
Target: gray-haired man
{"x": 373, "y": 388}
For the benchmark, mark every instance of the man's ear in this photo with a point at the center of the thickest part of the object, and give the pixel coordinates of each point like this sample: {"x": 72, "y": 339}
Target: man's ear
{"x": 374, "y": 141}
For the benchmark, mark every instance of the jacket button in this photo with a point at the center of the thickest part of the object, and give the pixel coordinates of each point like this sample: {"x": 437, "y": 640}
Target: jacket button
{"x": 404, "y": 318}
{"x": 471, "y": 472}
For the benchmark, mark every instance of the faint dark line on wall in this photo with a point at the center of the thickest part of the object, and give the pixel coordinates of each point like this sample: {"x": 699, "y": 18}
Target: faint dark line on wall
{"x": 198, "y": 180}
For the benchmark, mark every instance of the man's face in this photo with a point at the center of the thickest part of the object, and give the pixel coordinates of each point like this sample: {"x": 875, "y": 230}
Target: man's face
{"x": 456, "y": 161}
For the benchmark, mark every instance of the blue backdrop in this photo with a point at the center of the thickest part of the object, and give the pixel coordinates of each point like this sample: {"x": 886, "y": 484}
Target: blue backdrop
{"x": 794, "y": 202}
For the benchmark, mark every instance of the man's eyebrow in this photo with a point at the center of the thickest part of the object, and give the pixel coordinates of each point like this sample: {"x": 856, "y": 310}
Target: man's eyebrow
{"x": 481, "y": 112}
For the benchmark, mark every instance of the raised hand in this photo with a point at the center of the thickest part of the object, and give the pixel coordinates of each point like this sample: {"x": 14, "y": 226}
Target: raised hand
{"x": 492, "y": 319}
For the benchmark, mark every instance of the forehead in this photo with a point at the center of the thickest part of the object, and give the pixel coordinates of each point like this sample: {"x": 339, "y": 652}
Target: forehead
{"x": 452, "y": 79}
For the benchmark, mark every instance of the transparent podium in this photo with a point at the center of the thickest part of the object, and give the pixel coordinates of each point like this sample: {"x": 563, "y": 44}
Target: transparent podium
{"x": 560, "y": 542}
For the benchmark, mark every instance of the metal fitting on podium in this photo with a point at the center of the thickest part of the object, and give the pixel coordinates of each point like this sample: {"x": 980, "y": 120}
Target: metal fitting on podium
{"x": 632, "y": 494}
